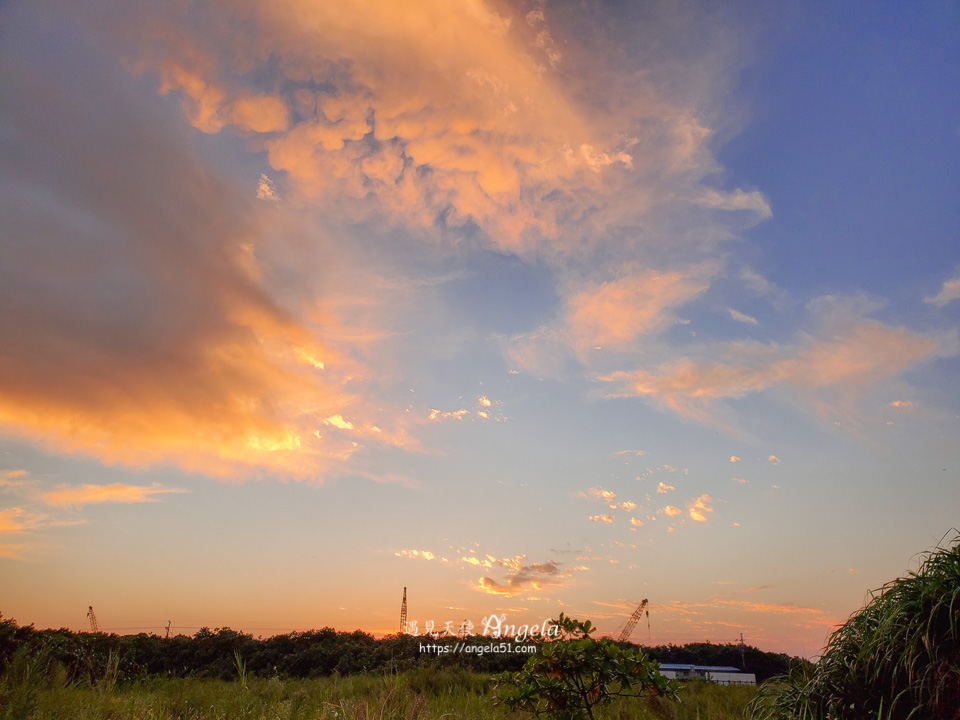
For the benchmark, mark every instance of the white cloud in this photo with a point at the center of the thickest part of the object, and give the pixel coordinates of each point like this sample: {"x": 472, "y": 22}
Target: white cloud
{"x": 740, "y": 317}
{"x": 266, "y": 190}
{"x": 949, "y": 291}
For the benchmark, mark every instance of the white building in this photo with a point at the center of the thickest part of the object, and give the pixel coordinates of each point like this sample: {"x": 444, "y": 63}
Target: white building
{"x": 720, "y": 674}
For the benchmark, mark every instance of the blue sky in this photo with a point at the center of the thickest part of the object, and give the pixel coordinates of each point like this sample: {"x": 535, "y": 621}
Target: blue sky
{"x": 529, "y": 307}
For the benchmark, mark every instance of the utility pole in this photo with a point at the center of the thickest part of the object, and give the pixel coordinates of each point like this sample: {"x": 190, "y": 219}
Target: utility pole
{"x": 743, "y": 662}
{"x": 403, "y": 612}
{"x": 168, "y": 629}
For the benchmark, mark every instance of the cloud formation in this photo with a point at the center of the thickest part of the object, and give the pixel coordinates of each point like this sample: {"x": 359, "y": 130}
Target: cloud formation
{"x": 949, "y": 291}
{"x": 80, "y": 495}
{"x": 521, "y": 577}
{"x": 846, "y": 358}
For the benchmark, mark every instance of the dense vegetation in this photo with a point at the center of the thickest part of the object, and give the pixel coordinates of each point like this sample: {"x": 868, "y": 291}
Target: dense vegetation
{"x": 895, "y": 659}
{"x": 312, "y": 654}
{"x": 428, "y": 693}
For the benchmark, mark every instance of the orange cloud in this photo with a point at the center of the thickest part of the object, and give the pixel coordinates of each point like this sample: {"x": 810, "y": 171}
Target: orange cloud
{"x": 670, "y": 511}
{"x": 422, "y": 554}
{"x": 179, "y": 351}
{"x": 617, "y": 312}
{"x": 10, "y": 478}
{"x": 17, "y": 520}
{"x": 439, "y": 415}
{"x": 80, "y": 495}
{"x": 663, "y": 488}
{"x": 608, "y": 519}
{"x": 861, "y": 356}
{"x": 699, "y": 507}
{"x": 523, "y": 578}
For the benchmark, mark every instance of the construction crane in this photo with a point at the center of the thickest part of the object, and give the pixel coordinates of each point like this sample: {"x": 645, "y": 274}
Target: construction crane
{"x": 403, "y": 612}
{"x": 631, "y": 623}
{"x": 94, "y": 627}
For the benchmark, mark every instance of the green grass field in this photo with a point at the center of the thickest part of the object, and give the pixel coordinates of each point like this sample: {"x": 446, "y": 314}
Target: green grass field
{"x": 425, "y": 694}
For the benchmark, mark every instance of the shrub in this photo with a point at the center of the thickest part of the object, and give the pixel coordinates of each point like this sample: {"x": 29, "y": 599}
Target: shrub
{"x": 896, "y": 658}
{"x": 576, "y": 673}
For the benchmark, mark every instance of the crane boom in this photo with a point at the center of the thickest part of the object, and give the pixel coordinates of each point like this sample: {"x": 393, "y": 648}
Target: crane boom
{"x": 94, "y": 626}
{"x": 631, "y": 623}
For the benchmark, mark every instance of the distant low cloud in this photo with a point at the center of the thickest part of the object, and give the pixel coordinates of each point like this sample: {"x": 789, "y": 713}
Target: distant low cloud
{"x": 80, "y": 495}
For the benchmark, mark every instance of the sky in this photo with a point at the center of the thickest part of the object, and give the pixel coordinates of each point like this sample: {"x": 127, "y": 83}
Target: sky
{"x": 528, "y": 308}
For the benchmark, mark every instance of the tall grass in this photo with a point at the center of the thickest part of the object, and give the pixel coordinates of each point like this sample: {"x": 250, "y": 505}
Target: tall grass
{"x": 422, "y": 694}
{"x": 898, "y": 658}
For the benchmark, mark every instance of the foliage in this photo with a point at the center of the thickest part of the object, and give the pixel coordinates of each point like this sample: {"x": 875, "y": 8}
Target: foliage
{"x": 575, "y": 673}
{"x": 896, "y": 658}
{"x": 87, "y": 657}
{"x": 429, "y": 693}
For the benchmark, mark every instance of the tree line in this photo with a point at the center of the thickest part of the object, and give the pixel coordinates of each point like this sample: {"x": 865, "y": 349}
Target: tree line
{"x": 225, "y": 653}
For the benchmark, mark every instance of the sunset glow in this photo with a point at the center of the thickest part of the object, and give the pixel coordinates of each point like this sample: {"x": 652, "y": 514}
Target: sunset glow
{"x": 304, "y": 303}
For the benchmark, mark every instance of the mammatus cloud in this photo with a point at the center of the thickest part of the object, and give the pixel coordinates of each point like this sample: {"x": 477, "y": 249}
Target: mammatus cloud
{"x": 80, "y": 495}
{"x": 949, "y": 291}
